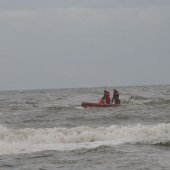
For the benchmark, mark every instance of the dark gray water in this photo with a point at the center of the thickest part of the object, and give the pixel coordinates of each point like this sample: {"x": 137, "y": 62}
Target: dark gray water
{"x": 48, "y": 129}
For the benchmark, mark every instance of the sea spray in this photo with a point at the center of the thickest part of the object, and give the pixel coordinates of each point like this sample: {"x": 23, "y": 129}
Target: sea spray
{"x": 29, "y": 140}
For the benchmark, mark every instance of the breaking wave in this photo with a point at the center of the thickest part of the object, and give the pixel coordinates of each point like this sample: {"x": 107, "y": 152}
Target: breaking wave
{"x": 30, "y": 140}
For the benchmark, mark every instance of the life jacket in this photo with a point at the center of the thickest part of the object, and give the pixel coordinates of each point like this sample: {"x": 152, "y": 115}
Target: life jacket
{"x": 107, "y": 97}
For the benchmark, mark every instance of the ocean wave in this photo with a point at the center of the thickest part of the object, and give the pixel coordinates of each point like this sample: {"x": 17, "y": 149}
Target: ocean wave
{"x": 55, "y": 108}
{"x": 158, "y": 102}
{"x": 147, "y": 101}
{"x": 28, "y": 140}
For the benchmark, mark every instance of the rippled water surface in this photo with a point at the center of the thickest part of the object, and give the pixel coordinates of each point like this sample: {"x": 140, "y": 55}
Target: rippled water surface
{"x": 48, "y": 129}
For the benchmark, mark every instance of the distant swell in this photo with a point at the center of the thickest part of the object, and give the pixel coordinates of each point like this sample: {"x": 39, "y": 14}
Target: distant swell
{"x": 31, "y": 140}
{"x": 158, "y": 102}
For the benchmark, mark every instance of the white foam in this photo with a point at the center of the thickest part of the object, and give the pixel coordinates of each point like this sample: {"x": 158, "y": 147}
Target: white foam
{"x": 31, "y": 140}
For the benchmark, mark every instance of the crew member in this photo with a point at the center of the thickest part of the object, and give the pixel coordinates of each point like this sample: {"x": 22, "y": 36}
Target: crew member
{"x": 106, "y": 98}
{"x": 115, "y": 97}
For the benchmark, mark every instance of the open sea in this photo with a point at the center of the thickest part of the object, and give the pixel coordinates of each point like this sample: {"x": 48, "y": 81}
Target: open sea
{"x": 49, "y": 130}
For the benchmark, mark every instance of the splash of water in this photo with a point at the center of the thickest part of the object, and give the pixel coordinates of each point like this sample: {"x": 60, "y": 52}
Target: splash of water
{"x": 30, "y": 140}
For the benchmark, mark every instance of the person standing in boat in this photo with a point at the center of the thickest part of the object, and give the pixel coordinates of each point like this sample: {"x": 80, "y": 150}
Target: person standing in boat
{"x": 115, "y": 97}
{"x": 106, "y": 98}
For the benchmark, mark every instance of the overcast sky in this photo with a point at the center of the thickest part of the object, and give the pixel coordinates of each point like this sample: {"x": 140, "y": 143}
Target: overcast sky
{"x": 83, "y": 43}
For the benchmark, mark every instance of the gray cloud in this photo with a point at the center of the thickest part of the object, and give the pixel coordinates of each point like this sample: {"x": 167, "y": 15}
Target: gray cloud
{"x": 51, "y": 44}
{"x": 43, "y": 4}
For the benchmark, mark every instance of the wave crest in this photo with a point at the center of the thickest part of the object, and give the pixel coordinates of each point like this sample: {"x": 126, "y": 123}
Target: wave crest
{"x": 31, "y": 140}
